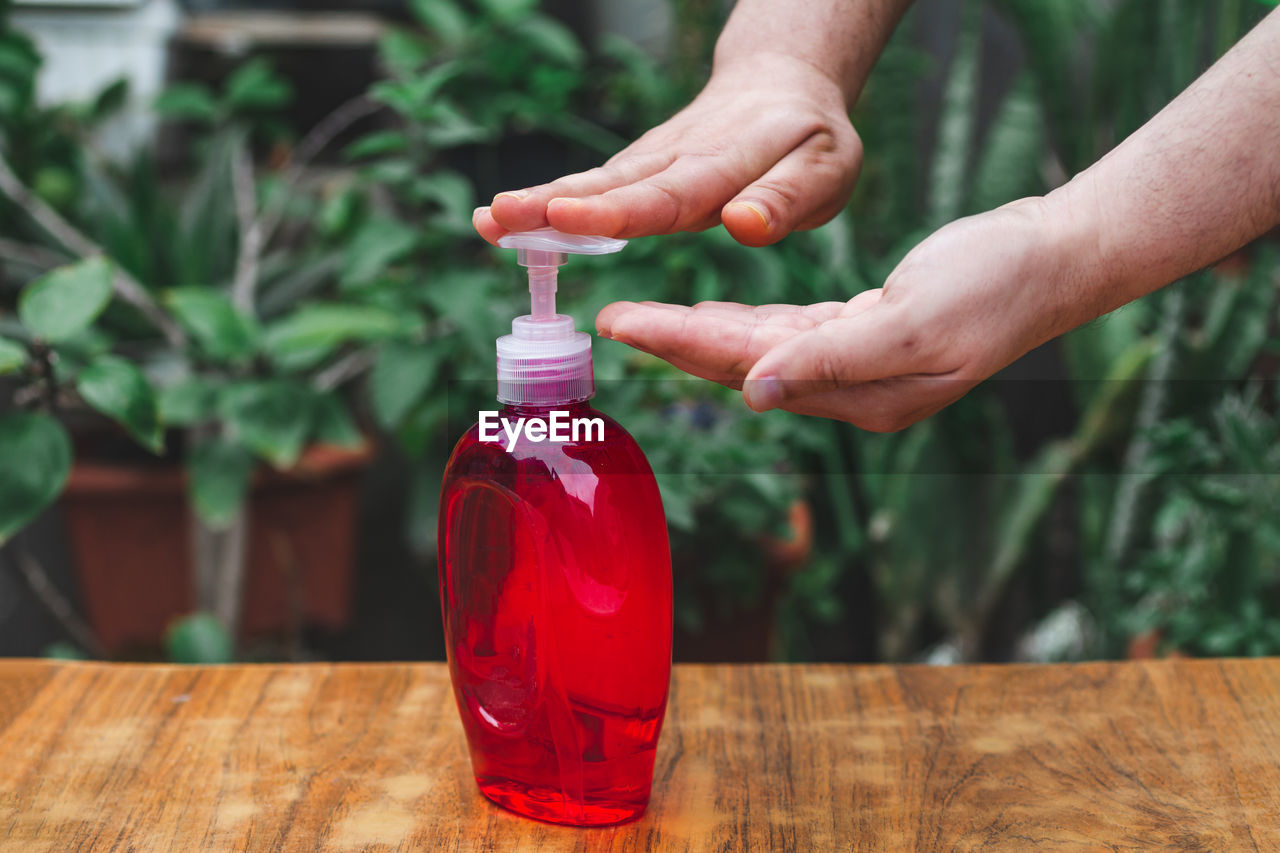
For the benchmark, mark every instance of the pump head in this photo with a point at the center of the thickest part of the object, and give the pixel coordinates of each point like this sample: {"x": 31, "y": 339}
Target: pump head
{"x": 544, "y": 361}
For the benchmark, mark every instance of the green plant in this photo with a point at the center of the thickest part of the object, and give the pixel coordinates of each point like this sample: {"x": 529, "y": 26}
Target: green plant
{"x": 215, "y": 320}
{"x": 953, "y": 516}
{"x": 1208, "y": 581}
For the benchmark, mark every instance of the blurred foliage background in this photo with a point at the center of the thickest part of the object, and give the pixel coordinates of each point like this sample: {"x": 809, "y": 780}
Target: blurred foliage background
{"x": 1110, "y": 494}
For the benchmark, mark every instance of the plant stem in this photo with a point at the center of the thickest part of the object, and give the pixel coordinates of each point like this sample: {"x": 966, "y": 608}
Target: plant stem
{"x": 128, "y": 288}
{"x": 57, "y": 605}
{"x": 219, "y": 555}
{"x": 245, "y": 190}
{"x": 220, "y": 558}
{"x": 48, "y": 379}
{"x": 345, "y": 368}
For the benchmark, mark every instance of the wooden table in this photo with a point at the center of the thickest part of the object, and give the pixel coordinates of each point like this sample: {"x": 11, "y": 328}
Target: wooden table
{"x": 1178, "y": 755}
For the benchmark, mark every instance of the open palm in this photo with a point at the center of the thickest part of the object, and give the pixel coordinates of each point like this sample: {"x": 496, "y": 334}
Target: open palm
{"x": 966, "y": 302}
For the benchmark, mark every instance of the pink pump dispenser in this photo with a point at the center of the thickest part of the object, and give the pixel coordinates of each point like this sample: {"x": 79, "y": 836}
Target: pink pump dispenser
{"x": 555, "y": 576}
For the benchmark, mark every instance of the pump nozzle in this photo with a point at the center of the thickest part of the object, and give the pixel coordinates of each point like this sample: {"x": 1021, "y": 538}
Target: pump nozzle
{"x": 544, "y": 360}
{"x": 542, "y": 251}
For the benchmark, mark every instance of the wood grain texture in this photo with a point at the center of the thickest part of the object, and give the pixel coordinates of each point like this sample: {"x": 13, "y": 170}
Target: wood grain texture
{"x": 1171, "y": 755}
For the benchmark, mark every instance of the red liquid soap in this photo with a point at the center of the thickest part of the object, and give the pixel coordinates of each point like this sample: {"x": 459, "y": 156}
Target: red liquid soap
{"x": 555, "y": 584}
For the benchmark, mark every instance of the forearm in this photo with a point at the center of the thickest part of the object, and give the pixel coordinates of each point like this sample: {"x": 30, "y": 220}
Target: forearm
{"x": 1197, "y": 182}
{"x": 840, "y": 38}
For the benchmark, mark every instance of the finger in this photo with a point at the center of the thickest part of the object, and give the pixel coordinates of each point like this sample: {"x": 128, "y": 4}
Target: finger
{"x": 604, "y": 325}
{"x": 729, "y": 380}
{"x": 685, "y": 196}
{"x": 799, "y": 317}
{"x": 792, "y": 316}
{"x": 804, "y": 189}
{"x": 526, "y": 209}
{"x": 485, "y": 225}
{"x": 716, "y": 345}
{"x": 877, "y": 343}
{"x": 609, "y": 313}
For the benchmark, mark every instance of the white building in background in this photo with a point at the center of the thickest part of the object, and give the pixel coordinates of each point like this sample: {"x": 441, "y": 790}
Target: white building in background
{"x": 88, "y": 44}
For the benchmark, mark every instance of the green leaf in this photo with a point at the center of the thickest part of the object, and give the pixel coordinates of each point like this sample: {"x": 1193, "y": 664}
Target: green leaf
{"x": 508, "y": 11}
{"x": 110, "y": 100}
{"x": 222, "y": 332}
{"x": 338, "y": 212}
{"x": 416, "y": 96}
{"x": 333, "y": 422}
{"x": 403, "y": 52}
{"x": 272, "y": 418}
{"x": 956, "y": 121}
{"x": 187, "y": 102}
{"x": 219, "y": 480}
{"x": 443, "y": 18}
{"x": 200, "y": 639}
{"x": 399, "y": 378}
{"x": 189, "y": 401}
{"x": 55, "y": 185}
{"x": 118, "y": 390}
{"x": 553, "y": 40}
{"x": 449, "y": 127}
{"x": 12, "y": 356}
{"x": 1010, "y": 162}
{"x": 376, "y": 144}
{"x": 26, "y": 489}
{"x": 65, "y": 301}
{"x": 255, "y": 85}
{"x": 323, "y": 327}
{"x": 378, "y": 244}
{"x": 452, "y": 192}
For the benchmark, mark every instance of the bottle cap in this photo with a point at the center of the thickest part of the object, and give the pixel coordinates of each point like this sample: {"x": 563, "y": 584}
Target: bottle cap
{"x": 545, "y": 361}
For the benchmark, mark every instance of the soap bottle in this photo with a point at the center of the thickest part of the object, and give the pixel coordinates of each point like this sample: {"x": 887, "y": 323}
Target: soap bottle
{"x": 555, "y": 576}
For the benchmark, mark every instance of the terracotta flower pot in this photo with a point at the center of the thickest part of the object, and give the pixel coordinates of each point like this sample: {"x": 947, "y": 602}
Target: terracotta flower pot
{"x": 1147, "y": 646}
{"x": 130, "y": 531}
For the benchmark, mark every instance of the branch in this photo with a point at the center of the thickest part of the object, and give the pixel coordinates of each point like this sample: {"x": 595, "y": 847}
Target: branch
{"x": 348, "y": 367}
{"x": 126, "y": 286}
{"x": 318, "y": 139}
{"x": 245, "y": 190}
{"x": 57, "y": 604}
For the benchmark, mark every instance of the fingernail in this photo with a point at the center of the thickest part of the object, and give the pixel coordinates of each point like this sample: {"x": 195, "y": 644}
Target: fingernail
{"x": 563, "y": 200}
{"x": 484, "y": 208}
{"x": 756, "y": 208}
{"x": 604, "y": 333}
{"x": 518, "y": 195}
{"x": 764, "y": 393}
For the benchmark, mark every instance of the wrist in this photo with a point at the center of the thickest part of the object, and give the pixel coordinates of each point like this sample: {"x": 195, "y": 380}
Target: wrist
{"x": 838, "y": 39}
{"x": 1076, "y": 240}
{"x": 800, "y": 78}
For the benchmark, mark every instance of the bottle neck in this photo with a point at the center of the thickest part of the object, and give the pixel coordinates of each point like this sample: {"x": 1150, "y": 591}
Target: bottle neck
{"x": 535, "y": 409}
{"x": 544, "y": 362}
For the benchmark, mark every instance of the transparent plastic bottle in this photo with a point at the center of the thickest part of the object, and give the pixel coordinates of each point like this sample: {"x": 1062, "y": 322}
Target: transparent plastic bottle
{"x": 555, "y": 579}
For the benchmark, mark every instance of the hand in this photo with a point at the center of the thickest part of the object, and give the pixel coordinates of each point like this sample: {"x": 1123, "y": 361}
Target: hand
{"x": 964, "y": 303}
{"x": 766, "y": 148}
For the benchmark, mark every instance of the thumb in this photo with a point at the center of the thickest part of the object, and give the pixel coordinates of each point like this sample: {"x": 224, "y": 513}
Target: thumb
{"x": 877, "y": 343}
